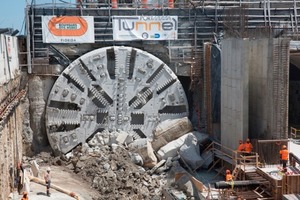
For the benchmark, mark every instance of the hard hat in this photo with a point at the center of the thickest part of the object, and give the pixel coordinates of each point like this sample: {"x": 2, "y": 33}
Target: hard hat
{"x": 283, "y": 146}
{"x": 48, "y": 169}
{"x": 25, "y": 193}
{"x": 241, "y": 141}
{"x": 227, "y": 171}
{"x": 248, "y": 140}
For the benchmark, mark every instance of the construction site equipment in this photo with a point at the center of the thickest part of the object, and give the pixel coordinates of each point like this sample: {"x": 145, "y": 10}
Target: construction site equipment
{"x": 42, "y": 182}
{"x": 231, "y": 184}
{"x": 112, "y": 88}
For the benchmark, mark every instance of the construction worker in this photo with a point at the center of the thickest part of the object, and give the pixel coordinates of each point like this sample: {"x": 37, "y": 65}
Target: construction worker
{"x": 47, "y": 178}
{"x": 284, "y": 155}
{"x": 241, "y": 146}
{"x": 25, "y": 196}
{"x": 20, "y": 173}
{"x": 228, "y": 175}
{"x": 248, "y": 146}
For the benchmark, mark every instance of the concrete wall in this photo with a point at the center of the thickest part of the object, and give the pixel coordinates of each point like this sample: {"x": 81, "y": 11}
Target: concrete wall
{"x": 268, "y": 89}
{"x": 254, "y": 89}
{"x": 11, "y": 148}
{"x": 11, "y": 114}
{"x": 234, "y": 91}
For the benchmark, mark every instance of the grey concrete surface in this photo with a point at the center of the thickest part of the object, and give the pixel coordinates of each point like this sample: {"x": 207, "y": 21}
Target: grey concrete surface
{"x": 234, "y": 92}
{"x": 254, "y": 89}
{"x": 63, "y": 179}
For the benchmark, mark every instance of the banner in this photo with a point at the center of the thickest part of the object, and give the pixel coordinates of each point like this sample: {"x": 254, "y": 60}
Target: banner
{"x": 68, "y": 29}
{"x": 127, "y": 28}
{"x": 9, "y": 58}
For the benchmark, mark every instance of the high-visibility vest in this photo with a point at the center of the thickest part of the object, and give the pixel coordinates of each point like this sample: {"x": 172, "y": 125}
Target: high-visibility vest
{"x": 228, "y": 177}
{"x": 284, "y": 154}
{"x": 248, "y": 147}
{"x": 241, "y": 147}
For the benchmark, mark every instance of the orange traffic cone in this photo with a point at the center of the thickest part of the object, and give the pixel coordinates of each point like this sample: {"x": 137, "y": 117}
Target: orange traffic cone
{"x": 114, "y": 3}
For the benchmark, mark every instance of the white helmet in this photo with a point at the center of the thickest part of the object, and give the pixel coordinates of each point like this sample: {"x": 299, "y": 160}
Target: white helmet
{"x": 48, "y": 169}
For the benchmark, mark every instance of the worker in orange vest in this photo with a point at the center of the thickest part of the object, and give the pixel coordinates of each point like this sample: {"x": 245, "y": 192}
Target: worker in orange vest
{"x": 228, "y": 175}
{"x": 284, "y": 155}
{"x": 248, "y": 146}
{"x": 241, "y": 146}
{"x": 25, "y": 196}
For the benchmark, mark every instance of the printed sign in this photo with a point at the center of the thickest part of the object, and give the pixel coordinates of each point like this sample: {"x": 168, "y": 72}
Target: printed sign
{"x": 127, "y": 28}
{"x": 68, "y": 29}
{"x": 9, "y": 58}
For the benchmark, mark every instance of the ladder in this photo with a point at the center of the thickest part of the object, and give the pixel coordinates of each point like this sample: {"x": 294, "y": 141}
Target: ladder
{"x": 236, "y": 172}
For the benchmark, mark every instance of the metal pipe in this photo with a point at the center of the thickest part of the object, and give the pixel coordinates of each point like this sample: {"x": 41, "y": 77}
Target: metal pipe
{"x": 269, "y": 141}
{"x": 231, "y": 184}
{"x": 28, "y": 39}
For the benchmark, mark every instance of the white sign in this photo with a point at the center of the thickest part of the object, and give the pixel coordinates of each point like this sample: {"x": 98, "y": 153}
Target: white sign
{"x": 127, "y": 28}
{"x": 9, "y": 58}
{"x": 68, "y": 29}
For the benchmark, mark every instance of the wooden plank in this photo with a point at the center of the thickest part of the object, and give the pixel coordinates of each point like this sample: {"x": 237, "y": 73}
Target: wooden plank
{"x": 258, "y": 193}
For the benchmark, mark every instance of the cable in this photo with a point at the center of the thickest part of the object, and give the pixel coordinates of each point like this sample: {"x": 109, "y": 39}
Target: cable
{"x": 23, "y": 24}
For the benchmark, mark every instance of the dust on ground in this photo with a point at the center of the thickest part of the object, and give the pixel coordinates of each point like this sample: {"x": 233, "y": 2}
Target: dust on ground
{"x": 64, "y": 178}
{"x": 97, "y": 174}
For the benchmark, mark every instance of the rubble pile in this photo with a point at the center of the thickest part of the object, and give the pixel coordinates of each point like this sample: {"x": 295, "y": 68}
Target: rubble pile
{"x": 115, "y": 176}
{"x": 121, "y": 167}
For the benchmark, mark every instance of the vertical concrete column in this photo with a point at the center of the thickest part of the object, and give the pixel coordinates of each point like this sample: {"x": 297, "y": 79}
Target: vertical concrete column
{"x": 37, "y": 112}
{"x": 234, "y": 91}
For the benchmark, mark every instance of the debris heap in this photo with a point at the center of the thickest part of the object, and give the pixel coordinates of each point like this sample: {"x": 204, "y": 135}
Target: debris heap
{"x": 115, "y": 176}
{"x": 120, "y": 166}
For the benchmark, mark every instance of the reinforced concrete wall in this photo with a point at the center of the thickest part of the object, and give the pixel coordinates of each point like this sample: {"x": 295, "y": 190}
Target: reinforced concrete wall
{"x": 10, "y": 151}
{"x": 254, "y": 89}
{"x": 11, "y": 137}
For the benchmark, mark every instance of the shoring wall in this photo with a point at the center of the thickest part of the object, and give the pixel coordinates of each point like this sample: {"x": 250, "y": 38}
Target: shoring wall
{"x": 11, "y": 114}
{"x": 10, "y": 151}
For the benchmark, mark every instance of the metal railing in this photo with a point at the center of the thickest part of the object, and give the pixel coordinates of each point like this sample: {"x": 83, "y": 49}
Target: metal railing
{"x": 295, "y": 133}
{"x": 237, "y": 157}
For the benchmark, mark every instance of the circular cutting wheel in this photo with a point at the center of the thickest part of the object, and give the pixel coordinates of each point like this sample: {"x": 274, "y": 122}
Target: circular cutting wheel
{"x": 112, "y": 88}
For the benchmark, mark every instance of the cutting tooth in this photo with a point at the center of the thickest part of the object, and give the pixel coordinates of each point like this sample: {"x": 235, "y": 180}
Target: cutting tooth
{"x": 155, "y": 75}
{"x": 58, "y": 116}
{"x": 77, "y": 80}
{"x": 141, "y": 98}
{"x": 165, "y": 85}
{"x": 72, "y": 79}
{"x": 86, "y": 71}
